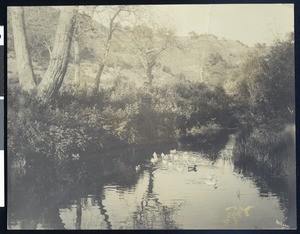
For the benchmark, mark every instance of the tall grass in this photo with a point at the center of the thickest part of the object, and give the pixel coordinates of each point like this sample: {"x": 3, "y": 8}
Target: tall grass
{"x": 272, "y": 151}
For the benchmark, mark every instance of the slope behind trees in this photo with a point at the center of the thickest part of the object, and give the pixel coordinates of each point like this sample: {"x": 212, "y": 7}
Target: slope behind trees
{"x": 150, "y": 43}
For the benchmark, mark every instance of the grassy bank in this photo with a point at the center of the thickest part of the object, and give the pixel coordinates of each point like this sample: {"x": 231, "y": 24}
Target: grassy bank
{"x": 268, "y": 150}
{"x": 266, "y": 104}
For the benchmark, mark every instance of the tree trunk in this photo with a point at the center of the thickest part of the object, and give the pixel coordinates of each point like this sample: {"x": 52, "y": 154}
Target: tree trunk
{"x": 98, "y": 77}
{"x": 24, "y": 64}
{"x": 101, "y": 67}
{"x": 149, "y": 73}
{"x": 57, "y": 68}
{"x": 77, "y": 62}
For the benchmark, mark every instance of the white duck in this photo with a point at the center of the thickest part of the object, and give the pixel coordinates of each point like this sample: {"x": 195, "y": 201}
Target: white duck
{"x": 210, "y": 182}
{"x": 137, "y": 168}
{"x": 154, "y": 160}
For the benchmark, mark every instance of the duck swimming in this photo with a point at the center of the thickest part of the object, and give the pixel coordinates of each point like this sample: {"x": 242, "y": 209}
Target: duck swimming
{"x": 211, "y": 182}
{"x": 154, "y": 160}
{"x": 192, "y": 167}
{"x": 137, "y": 168}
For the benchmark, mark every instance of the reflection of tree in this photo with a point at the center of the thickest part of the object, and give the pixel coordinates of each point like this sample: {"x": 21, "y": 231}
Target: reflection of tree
{"x": 284, "y": 191}
{"x": 152, "y": 214}
{"x": 103, "y": 212}
{"x": 83, "y": 203}
{"x": 284, "y": 187}
{"x": 78, "y": 214}
{"x": 35, "y": 201}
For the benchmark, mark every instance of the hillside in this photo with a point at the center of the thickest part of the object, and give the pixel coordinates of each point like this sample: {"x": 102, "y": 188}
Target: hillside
{"x": 202, "y": 59}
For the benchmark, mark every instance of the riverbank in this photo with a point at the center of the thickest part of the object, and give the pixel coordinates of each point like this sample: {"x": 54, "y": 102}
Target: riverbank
{"x": 270, "y": 151}
{"x": 84, "y": 124}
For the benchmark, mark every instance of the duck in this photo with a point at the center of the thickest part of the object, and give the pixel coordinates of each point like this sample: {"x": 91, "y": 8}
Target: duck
{"x": 137, "y": 168}
{"x": 173, "y": 151}
{"x": 154, "y": 160}
{"x": 154, "y": 155}
{"x": 211, "y": 182}
{"x": 192, "y": 167}
{"x": 162, "y": 155}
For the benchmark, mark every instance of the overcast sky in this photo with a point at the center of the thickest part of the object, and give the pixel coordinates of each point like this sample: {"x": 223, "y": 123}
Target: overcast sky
{"x": 249, "y": 23}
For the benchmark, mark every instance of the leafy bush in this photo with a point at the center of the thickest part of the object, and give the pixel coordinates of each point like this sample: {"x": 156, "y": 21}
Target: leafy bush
{"x": 266, "y": 106}
{"x": 55, "y": 130}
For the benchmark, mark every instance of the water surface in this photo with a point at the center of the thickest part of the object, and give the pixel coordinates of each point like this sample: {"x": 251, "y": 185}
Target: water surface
{"x": 170, "y": 193}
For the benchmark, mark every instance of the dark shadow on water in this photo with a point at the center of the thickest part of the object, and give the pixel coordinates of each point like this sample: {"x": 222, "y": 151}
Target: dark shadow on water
{"x": 283, "y": 187}
{"x": 36, "y": 196}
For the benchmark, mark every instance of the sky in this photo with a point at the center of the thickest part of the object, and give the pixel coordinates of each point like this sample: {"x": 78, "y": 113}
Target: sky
{"x": 248, "y": 23}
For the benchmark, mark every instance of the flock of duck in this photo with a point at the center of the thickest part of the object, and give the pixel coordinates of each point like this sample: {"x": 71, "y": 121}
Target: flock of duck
{"x": 181, "y": 161}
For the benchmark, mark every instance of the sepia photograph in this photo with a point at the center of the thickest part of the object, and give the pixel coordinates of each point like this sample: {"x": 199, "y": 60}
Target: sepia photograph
{"x": 149, "y": 117}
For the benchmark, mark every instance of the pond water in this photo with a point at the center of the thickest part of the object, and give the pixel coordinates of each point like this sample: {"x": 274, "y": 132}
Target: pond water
{"x": 181, "y": 189}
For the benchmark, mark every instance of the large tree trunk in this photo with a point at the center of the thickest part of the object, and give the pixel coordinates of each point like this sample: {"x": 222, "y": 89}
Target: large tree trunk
{"x": 77, "y": 62}
{"x": 24, "y": 64}
{"x": 57, "y": 68}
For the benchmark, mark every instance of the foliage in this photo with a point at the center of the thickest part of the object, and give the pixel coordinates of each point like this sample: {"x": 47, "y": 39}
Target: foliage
{"x": 266, "y": 105}
{"x": 87, "y": 53}
{"x": 58, "y": 131}
{"x": 264, "y": 77}
{"x": 65, "y": 128}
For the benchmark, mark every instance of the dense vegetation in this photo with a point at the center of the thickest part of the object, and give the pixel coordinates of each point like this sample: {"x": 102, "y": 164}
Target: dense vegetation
{"x": 267, "y": 114}
{"x": 205, "y": 95}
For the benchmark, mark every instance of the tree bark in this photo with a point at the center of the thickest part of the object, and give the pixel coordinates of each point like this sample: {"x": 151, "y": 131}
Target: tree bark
{"x": 112, "y": 28}
{"x": 101, "y": 67}
{"x": 24, "y": 64}
{"x": 98, "y": 77}
{"x": 77, "y": 62}
{"x": 149, "y": 72}
{"x": 57, "y": 68}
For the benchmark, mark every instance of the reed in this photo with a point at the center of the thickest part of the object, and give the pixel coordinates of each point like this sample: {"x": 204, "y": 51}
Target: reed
{"x": 272, "y": 151}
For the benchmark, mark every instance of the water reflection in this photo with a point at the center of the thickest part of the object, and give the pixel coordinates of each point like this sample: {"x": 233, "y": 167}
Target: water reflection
{"x": 101, "y": 193}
